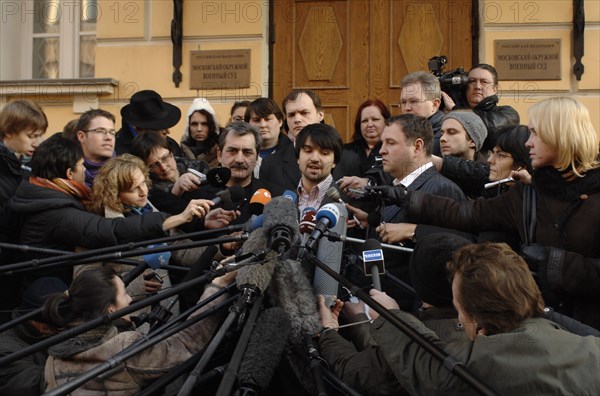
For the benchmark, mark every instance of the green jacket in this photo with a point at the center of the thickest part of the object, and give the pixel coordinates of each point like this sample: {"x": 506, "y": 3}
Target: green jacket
{"x": 538, "y": 358}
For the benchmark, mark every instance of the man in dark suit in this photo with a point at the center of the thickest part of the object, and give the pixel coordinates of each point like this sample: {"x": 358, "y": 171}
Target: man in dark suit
{"x": 279, "y": 170}
{"x": 406, "y": 152}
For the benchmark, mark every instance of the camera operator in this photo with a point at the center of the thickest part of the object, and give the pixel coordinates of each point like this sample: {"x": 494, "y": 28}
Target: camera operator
{"x": 481, "y": 96}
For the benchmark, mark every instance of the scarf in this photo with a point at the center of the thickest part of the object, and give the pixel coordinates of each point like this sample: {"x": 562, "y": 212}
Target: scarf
{"x": 70, "y": 187}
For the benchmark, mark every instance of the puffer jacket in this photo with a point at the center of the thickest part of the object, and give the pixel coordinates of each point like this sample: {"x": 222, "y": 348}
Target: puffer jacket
{"x": 77, "y": 355}
{"x": 494, "y": 117}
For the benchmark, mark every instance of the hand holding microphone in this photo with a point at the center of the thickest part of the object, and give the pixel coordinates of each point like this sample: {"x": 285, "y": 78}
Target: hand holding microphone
{"x": 395, "y": 195}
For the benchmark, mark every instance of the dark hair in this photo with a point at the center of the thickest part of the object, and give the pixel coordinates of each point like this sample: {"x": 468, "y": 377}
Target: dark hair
{"x": 489, "y": 68}
{"x": 20, "y": 116}
{"x": 385, "y": 113}
{"x": 241, "y": 103}
{"x": 263, "y": 107}
{"x": 211, "y": 139}
{"x": 70, "y": 129}
{"x": 496, "y": 288}
{"x": 54, "y": 156}
{"x": 512, "y": 138}
{"x": 88, "y": 116}
{"x": 88, "y": 297}
{"x": 414, "y": 127}
{"x": 143, "y": 145}
{"x": 240, "y": 128}
{"x": 322, "y": 135}
{"x": 292, "y": 96}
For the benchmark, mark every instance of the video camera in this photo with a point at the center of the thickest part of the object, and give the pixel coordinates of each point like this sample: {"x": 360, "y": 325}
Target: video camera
{"x": 453, "y": 82}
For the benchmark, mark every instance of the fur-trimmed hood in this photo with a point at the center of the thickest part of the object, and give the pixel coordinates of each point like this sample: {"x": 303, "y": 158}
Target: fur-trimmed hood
{"x": 83, "y": 342}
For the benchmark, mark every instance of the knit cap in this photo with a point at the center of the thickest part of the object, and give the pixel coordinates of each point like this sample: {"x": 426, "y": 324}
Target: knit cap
{"x": 472, "y": 123}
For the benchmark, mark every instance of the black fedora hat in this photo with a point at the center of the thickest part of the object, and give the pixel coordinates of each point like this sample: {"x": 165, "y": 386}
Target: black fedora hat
{"x": 147, "y": 110}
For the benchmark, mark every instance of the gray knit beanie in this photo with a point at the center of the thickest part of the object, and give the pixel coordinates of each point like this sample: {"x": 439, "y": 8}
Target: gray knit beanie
{"x": 472, "y": 123}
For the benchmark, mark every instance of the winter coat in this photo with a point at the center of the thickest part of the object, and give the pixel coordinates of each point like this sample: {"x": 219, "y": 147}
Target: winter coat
{"x": 494, "y": 117}
{"x": 279, "y": 171}
{"x": 26, "y": 375}
{"x": 537, "y": 358}
{"x": 77, "y": 355}
{"x": 365, "y": 367}
{"x": 55, "y": 220}
{"x": 568, "y": 221}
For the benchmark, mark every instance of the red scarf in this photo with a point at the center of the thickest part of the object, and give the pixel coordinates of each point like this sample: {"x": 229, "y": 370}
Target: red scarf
{"x": 67, "y": 186}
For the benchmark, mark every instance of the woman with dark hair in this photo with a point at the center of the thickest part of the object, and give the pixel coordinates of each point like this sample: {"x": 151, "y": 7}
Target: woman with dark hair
{"x": 97, "y": 292}
{"x": 508, "y": 155}
{"x": 359, "y": 155}
{"x": 52, "y": 208}
{"x": 201, "y": 134}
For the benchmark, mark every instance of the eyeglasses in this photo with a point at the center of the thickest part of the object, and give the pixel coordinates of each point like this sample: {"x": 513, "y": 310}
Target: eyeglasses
{"x": 161, "y": 162}
{"x": 484, "y": 83}
{"x": 103, "y": 131}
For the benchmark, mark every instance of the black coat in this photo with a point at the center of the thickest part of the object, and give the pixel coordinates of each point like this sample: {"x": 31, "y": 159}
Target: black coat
{"x": 55, "y": 220}
{"x": 11, "y": 175}
{"x": 494, "y": 117}
{"x": 279, "y": 171}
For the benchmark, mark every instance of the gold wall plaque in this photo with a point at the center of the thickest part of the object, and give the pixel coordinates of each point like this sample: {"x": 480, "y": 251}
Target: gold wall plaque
{"x": 527, "y": 59}
{"x": 220, "y": 69}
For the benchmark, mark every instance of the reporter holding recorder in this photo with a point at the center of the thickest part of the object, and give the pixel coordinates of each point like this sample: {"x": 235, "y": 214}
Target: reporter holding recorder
{"x": 560, "y": 225}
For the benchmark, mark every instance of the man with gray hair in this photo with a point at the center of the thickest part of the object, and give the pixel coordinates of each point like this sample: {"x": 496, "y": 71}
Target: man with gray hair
{"x": 463, "y": 134}
{"x": 421, "y": 95}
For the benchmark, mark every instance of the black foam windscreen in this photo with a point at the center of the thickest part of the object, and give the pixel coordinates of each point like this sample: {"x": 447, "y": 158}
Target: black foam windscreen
{"x": 370, "y": 244}
{"x": 237, "y": 193}
{"x": 265, "y": 349}
{"x": 218, "y": 177}
{"x": 374, "y": 219}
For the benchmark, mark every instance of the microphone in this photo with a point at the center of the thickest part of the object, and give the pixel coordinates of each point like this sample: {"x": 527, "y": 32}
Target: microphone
{"x": 372, "y": 257}
{"x": 327, "y": 217}
{"x": 292, "y": 196}
{"x": 254, "y": 222}
{"x": 227, "y": 197}
{"x": 281, "y": 223}
{"x": 260, "y": 362}
{"x": 334, "y": 195}
{"x": 259, "y": 199}
{"x": 330, "y": 253}
{"x": 216, "y": 177}
{"x": 374, "y": 219}
{"x": 255, "y": 277}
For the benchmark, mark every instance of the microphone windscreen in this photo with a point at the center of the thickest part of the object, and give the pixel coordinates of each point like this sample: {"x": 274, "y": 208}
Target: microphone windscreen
{"x": 218, "y": 177}
{"x": 371, "y": 244}
{"x": 333, "y": 194}
{"x": 258, "y": 201}
{"x": 255, "y": 222}
{"x": 331, "y": 212}
{"x": 292, "y": 196}
{"x": 256, "y": 275}
{"x": 330, "y": 253}
{"x": 308, "y": 209}
{"x": 308, "y": 222}
{"x": 374, "y": 219}
{"x": 281, "y": 212}
{"x": 265, "y": 349}
{"x": 237, "y": 193}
